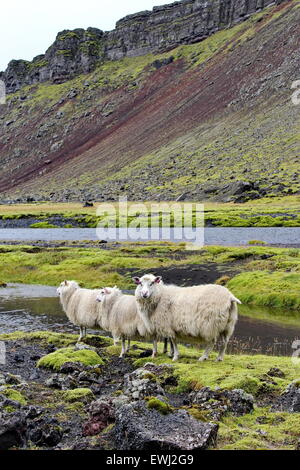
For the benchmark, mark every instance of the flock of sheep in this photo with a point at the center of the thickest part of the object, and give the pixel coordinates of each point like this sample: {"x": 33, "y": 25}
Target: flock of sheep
{"x": 199, "y": 314}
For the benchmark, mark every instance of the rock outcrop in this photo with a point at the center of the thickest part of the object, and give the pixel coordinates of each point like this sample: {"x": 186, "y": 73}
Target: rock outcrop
{"x": 161, "y": 29}
{"x": 138, "y": 428}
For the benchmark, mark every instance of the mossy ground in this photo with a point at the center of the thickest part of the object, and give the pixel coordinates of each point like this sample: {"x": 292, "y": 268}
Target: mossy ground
{"x": 248, "y": 372}
{"x": 265, "y": 212}
{"x": 260, "y": 429}
{"x": 269, "y": 276}
{"x": 59, "y": 357}
{"x": 14, "y": 395}
{"x": 42, "y": 337}
{"x": 78, "y": 394}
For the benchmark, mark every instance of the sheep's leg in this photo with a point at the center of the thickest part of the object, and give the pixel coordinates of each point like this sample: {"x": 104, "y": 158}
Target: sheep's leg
{"x": 154, "y": 352}
{"x": 224, "y": 337}
{"x": 208, "y": 350}
{"x": 171, "y": 348}
{"x": 81, "y": 334}
{"x": 123, "y": 352}
{"x": 175, "y": 349}
{"x": 171, "y": 353}
{"x": 165, "y": 346}
{"x": 116, "y": 340}
{"x": 84, "y": 332}
{"x": 128, "y": 346}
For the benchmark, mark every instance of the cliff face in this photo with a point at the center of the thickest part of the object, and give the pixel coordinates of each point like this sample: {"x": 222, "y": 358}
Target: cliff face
{"x": 212, "y": 119}
{"x": 78, "y": 51}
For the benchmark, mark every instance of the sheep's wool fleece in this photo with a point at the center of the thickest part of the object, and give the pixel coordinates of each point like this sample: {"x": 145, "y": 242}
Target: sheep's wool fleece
{"x": 199, "y": 312}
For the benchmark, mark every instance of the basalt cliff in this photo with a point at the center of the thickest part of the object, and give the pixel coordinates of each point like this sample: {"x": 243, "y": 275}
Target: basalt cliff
{"x": 191, "y": 100}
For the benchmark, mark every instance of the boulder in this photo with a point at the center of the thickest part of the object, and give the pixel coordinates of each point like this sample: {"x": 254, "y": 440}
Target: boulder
{"x": 12, "y": 431}
{"x": 140, "y": 428}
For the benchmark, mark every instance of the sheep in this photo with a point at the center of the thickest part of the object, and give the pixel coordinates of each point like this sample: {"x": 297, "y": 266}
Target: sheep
{"x": 198, "y": 314}
{"x": 119, "y": 315}
{"x": 80, "y": 306}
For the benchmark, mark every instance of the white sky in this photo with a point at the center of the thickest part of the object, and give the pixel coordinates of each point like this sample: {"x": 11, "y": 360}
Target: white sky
{"x": 29, "y": 27}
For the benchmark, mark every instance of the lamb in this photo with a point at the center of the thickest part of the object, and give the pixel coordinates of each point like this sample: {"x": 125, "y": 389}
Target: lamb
{"x": 80, "y": 306}
{"x": 198, "y": 314}
{"x": 119, "y": 315}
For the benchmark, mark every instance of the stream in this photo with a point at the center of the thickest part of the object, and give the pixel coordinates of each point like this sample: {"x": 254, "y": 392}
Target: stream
{"x": 34, "y": 307}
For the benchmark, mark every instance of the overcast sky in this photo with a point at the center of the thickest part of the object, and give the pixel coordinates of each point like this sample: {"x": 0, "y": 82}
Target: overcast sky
{"x": 29, "y": 27}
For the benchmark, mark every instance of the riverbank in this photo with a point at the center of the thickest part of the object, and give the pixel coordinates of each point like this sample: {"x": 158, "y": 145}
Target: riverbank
{"x": 258, "y": 275}
{"x": 265, "y": 212}
{"x": 246, "y": 402}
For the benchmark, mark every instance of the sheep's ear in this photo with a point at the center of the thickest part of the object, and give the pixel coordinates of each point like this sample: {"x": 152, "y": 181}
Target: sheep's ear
{"x": 136, "y": 280}
{"x": 106, "y": 290}
{"x": 158, "y": 279}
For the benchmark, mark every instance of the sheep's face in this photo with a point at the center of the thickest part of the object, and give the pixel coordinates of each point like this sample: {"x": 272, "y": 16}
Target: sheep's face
{"x": 66, "y": 285}
{"x": 105, "y": 293}
{"x": 146, "y": 285}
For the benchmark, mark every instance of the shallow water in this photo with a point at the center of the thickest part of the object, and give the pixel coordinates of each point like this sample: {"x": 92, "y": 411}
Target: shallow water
{"x": 212, "y": 235}
{"x": 33, "y": 307}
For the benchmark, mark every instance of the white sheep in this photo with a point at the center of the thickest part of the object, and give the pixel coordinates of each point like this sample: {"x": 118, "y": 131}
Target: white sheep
{"x": 198, "y": 314}
{"x": 80, "y": 306}
{"x": 119, "y": 315}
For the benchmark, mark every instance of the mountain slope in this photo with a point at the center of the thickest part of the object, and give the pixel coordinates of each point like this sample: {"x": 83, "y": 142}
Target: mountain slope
{"x": 212, "y": 119}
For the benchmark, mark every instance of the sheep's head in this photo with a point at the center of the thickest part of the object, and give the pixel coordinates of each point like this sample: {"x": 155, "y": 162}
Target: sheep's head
{"x": 146, "y": 285}
{"x": 67, "y": 285}
{"x": 107, "y": 292}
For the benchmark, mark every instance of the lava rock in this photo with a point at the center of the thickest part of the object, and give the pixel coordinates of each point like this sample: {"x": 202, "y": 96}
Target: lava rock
{"x": 220, "y": 402}
{"x": 289, "y": 400}
{"x": 138, "y": 428}
{"x": 275, "y": 372}
{"x": 102, "y": 413}
{"x": 12, "y": 431}
{"x": 143, "y": 382}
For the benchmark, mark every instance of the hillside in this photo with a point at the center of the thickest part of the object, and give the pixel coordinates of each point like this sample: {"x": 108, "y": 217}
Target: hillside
{"x": 191, "y": 100}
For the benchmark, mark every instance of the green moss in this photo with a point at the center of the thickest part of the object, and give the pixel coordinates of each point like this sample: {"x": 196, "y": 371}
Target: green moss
{"x": 56, "y": 359}
{"x": 42, "y": 225}
{"x": 236, "y": 371}
{"x": 14, "y": 395}
{"x": 279, "y": 430}
{"x": 201, "y": 415}
{"x": 154, "y": 403}
{"x": 78, "y": 394}
{"x": 43, "y": 337}
{"x": 277, "y": 289}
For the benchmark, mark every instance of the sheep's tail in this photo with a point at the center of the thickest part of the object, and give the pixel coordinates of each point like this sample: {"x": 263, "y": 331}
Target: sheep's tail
{"x": 234, "y": 299}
